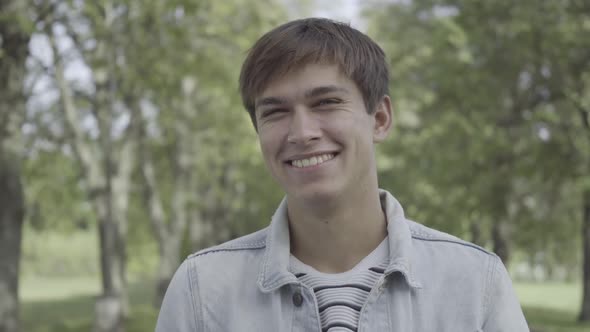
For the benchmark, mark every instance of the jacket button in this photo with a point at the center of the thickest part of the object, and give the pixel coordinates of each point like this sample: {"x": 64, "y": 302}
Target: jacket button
{"x": 297, "y": 299}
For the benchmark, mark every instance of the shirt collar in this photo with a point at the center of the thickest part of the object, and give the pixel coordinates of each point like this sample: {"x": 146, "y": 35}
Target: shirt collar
{"x": 274, "y": 271}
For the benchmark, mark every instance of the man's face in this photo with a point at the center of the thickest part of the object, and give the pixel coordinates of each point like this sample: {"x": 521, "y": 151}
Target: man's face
{"x": 315, "y": 133}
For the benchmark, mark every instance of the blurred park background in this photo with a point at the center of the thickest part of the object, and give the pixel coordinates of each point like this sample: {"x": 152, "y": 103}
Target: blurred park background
{"x": 124, "y": 146}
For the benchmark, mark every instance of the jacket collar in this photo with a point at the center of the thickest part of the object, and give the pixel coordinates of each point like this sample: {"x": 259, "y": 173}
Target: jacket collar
{"x": 274, "y": 270}
{"x": 400, "y": 239}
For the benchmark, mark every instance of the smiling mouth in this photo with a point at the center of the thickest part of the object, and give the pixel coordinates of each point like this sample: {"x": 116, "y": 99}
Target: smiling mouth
{"x": 312, "y": 161}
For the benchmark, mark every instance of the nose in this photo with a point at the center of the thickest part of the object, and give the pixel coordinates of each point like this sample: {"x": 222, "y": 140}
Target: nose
{"x": 304, "y": 127}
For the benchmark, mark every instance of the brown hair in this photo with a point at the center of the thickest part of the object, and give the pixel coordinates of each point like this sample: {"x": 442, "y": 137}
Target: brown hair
{"x": 315, "y": 40}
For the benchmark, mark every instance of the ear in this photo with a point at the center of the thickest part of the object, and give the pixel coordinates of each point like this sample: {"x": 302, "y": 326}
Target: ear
{"x": 383, "y": 119}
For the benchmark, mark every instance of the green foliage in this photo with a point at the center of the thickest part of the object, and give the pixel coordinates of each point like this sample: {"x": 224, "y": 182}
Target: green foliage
{"x": 55, "y": 195}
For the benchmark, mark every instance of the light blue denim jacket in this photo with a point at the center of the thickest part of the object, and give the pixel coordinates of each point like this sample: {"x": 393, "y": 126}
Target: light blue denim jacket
{"x": 434, "y": 282}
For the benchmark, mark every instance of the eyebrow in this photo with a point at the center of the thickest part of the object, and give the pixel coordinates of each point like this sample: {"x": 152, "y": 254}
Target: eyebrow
{"x": 312, "y": 93}
{"x": 322, "y": 90}
{"x": 267, "y": 101}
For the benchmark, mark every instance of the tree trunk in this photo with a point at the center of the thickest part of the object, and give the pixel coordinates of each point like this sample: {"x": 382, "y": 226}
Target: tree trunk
{"x": 13, "y": 54}
{"x": 108, "y": 309}
{"x": 200, "y": 231}
{"x": 168, "y": 228}
{"x": 475, "y": 229}
{"x": 11, "y": 221}
{"x": 585, "y": 311}
{"x": 500, "y": 241}
{"x": 107, "y": 174}
{"x": 111, "y": 306}
{"x": 111, "y": 205}
{"x": 169, "y": 225}
{"x": 169, "y": 261}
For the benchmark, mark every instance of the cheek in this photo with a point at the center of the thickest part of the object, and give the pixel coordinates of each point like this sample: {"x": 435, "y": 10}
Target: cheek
{"x": 268, "y": 145}
{"x": 264, "y": 148}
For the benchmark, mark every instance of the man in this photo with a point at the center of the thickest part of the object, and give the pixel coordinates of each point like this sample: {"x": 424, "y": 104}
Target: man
{"x": 338, "y": 255}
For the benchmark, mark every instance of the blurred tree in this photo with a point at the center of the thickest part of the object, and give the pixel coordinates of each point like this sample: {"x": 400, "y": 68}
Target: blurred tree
{"x": 15, "y": 33}
{"x": 99, "y": 125}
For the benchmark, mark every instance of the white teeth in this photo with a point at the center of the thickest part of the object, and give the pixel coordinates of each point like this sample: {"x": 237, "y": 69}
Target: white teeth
{"x": 313, "y": 161}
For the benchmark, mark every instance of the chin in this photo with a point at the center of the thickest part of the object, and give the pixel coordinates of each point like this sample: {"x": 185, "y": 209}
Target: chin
{"x": 313, "y": 194}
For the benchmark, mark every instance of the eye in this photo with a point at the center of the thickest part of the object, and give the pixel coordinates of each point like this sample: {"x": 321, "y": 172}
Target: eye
{"x": 273, "y": 111}
{"x": 328, "y": 101}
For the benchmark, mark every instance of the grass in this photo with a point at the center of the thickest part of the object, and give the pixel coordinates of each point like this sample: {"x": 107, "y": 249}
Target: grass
{"x": 52, "y": 289}
{"x": 67, "y": 305}
{"x": 548, "y": 320}
{"x": 547, "y": 295}
{"x": 52, "y": 305}
{"x": 552, "y": 307}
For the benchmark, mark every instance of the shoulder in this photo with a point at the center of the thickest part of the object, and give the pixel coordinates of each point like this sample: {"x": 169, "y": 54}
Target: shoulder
{"x": 250, "y": 242}
{"x": 221, "y": 269}
{"x": 441, "y": 251}
{"x": 423, "y": 235}
{"x": 442, "y": 259}
{"x": 210, "y": 277}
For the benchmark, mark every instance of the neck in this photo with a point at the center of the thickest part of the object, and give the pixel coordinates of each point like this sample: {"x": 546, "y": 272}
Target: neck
{"x": 335, "y": 237}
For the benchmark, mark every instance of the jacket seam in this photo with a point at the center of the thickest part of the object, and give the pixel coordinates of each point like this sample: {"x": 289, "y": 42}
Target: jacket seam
{"x": 194, "y": 283}
{"x": 256, "y": 245}
{"x": 465, "y": 244}
{"x": 487, "y": 288}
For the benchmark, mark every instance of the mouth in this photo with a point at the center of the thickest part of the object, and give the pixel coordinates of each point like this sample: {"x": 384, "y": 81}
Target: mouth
{"x": 311, "y": 161}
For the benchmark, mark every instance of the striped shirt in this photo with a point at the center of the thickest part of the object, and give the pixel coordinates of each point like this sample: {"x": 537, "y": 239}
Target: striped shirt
{"x": 341, "y": 296}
